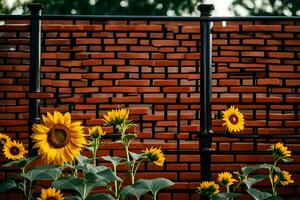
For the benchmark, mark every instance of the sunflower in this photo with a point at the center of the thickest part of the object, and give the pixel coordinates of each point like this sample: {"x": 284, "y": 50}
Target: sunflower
{"x": 58, "y": 139}
{"x": 233, "y": 120}
{"x": 14, "y": 150}
{"x": 96, "y": 132}
{"x": 284, "y": 178}
{"x": 208, "y": 188}
{"x": 51, "y": 194}
{"x": 3, "y": 139}
{"x": 155, "y": 155}
{"x": 116, "y": 117}
{"x": 225, "y": 179}
{"x": 280, "y": 151}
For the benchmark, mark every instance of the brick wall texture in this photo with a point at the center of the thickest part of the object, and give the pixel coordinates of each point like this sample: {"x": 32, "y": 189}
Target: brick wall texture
{"x": 153, "y": 67}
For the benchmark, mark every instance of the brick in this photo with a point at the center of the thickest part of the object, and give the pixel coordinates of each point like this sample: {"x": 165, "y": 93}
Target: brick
{"x": 164, "y": 82}
{"x": 253, "y": 54}
{"x": 257, "y": 28}
{"x": 40, "y": 95}
{"x": 133, "y": 55}
{"x": 70, "y": 76}
{"x": 267, "y": 81}
{"x": 280, "y": 55}
{"x": 161, "y": 43}
{"x": 133, "y": 82}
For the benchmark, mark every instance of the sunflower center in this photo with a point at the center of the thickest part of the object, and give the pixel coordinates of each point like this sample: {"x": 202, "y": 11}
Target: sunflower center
{"x": 51, "y": 198}
{"x": 233, "y": 119}
{"x": 14, "y": 151}
{"x": 58, "y": 137}
{"x": 152, "y": 157}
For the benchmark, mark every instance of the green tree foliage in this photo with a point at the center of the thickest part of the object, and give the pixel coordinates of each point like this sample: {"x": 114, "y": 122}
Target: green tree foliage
{"x": 119, "y": 7}
{"x": 266, "y": 7}
{"x": 5, "y": 9}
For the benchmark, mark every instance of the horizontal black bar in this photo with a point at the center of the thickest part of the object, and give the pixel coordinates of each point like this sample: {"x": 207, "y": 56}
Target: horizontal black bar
{"x": 228, "y": 135}
{"x": 19, "y": 17}
{"x": 151, "y": 18}
{"x": 219, "y": 152}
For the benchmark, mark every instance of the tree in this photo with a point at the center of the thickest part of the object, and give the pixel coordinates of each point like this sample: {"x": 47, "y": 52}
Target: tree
{"x": 118, "y": 7}
{"x": 5, "y": 9}
{"x": 266, "y": 7}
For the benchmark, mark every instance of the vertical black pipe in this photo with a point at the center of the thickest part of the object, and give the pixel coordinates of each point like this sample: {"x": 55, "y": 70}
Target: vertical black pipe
{"x": 35, "y": 68}
{"x": 205, "y": 92}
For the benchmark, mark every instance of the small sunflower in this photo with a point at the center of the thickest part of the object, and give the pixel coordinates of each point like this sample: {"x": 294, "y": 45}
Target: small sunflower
{"x": 58, "y": 140}
{"x": 51, "y": 194}
{"x": 208, "y": 188}
{"x": 225, "y": 179}
{"x": 155, "y": 155}
{"x": 3, "y": 139}
{"x": 284, "y": 178}
{"x": 96, "y": 132}
{"x": 14, "y": 150}
{"x": 280, "y": 151}
{"x": 233, "y": 120}
{"x": 116, "y": 117}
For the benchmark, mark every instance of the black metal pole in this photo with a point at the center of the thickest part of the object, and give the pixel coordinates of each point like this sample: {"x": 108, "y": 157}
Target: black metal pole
{"x": 205, "y": 92}
{"x": 35, "y": 68}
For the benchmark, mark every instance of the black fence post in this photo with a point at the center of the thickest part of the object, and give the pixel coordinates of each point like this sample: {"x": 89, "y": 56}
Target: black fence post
{"x": 205, "y": 92}
{"x": 35, "y": 68}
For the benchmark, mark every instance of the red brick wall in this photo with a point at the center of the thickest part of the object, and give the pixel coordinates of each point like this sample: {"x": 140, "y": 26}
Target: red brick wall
{"x": 152, "y": 67}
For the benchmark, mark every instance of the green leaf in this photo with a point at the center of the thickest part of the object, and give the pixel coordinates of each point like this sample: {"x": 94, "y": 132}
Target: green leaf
{"x": 100, "y": 196}
{"x": 7, "y": 184}
{"x": 153, "y": 185}
{"x": 133, "y": 191}
{"x": 136, "y": 156}
{"x": 274, "y": 198}
{"x": 253, "y": 180}
{"x": 287, "y": 160}
{"x": 114, "y": 160}
{"x": 225, "y": 196}
{"x": 48, "y": 172}
{"x": 128, "y": 137}
{"x": 20, "y": 163}
{"x": 69, "y": 183}
{"x": 72, "y": 198}
{"x": 90, "y": 148}
{"x": 109, "y": 175}
{"x": 82, "y": 160}
{"x": 248, "y": 169}
{"x": 258, "y": 195}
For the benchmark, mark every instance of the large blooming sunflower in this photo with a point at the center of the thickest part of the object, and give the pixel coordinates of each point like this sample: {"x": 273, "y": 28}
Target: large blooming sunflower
{"x": 225, "y": 179}
{"x": 14, "y": 150}
{"x": 233, "y": 120}
{"x": 155, "y": 155}
{"x": 116, "y": 117}
{"x": 58, "y": 139}
{"x": 3, "y": 139}
{"x": 280, "y": 151}
{"x": 284, "y": 178}
{"x": 51, "y": 194}
{"x": 208, "y": 188}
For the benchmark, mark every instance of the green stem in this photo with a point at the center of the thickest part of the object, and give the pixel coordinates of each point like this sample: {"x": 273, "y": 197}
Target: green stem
{"x": 129, "y": 163}
{"x": 154, "y": 196}
{"x": 228, "y": 190}
{"x": 116, "y": 183}
{"x": 271, "y": 179}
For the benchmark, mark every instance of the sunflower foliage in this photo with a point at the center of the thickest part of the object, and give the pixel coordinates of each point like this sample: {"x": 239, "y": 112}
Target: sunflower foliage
{"x": 229, "y": 186}
{"x": 76, "y": 174}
